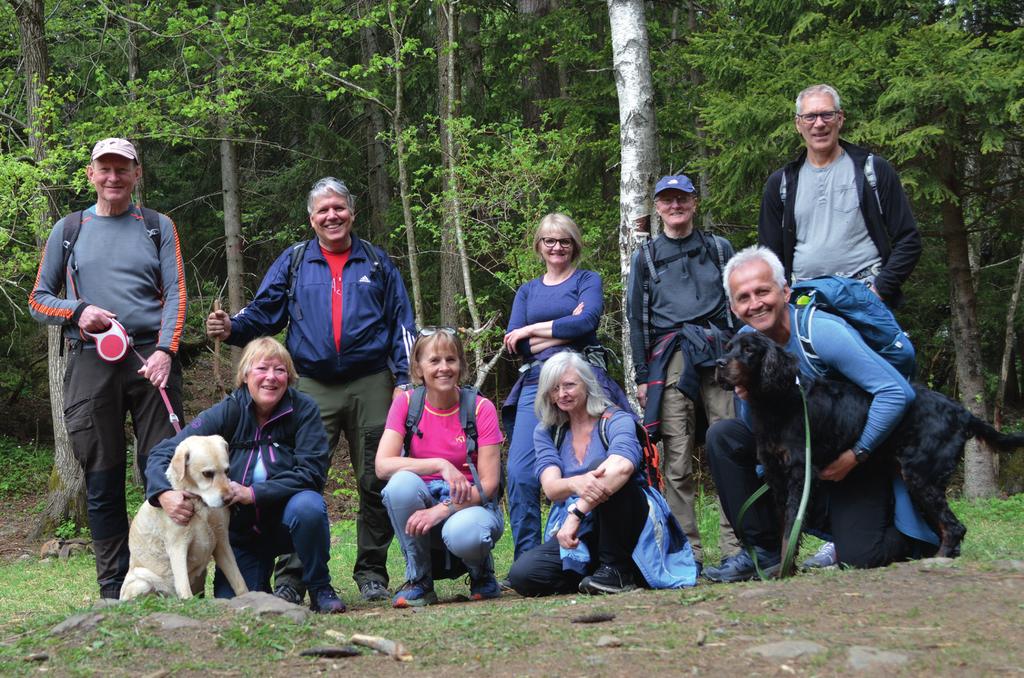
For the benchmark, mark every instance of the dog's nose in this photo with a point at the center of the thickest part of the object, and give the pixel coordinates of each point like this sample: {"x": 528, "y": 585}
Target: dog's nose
{"x": 721, "y": 362}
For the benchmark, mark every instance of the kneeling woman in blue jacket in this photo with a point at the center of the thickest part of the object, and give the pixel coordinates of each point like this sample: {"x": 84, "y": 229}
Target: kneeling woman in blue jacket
{"x": 278, "y": 464}
{"x": 608, "y": 530}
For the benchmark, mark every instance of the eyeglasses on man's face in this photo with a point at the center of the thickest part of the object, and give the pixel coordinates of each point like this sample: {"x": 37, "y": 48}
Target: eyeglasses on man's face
{"x": 810, "y": 118}
{"x": 431, "y": 330}
{"x": 550, "y": 243}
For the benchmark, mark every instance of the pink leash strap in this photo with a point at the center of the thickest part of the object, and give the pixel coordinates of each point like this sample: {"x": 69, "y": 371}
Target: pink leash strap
{"x": 163, "y": 394}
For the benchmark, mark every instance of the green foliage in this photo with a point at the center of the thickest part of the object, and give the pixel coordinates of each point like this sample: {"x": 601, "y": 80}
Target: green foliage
{"x": 24, "y": 468}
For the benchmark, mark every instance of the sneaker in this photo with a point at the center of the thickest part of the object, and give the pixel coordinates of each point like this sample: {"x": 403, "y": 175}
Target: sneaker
{"x": 288, "y": 593}
{"x": 413, "y": 594}
{"x": 607, "y": 579}
{"x": 371, "y": 589}
{"x": 505, "y": 584}
{"x": 484, "y": 588}
{"x": 739, "y": 567}
{"x": 824, "y": 558}
{"x": 325, "y": 601}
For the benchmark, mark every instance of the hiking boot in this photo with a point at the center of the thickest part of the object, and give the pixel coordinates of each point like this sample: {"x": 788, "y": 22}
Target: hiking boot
{"x": 740, "y": 567}
{"x": 824, "y": 558}
{"x": 371, "y": 589}
{"x": 607, "y": 579}
{"x": 505, "y": 584}
{"x": 414, "y": 594}
{"x": 325, "y": 601}
{"x": 288, "y": 593}
{"x": 484, "y": 588}
{"x": 110, "y": 591}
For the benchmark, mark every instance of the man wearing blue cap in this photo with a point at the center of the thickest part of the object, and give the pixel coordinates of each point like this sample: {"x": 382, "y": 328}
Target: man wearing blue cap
{"x": 679, "y": 322}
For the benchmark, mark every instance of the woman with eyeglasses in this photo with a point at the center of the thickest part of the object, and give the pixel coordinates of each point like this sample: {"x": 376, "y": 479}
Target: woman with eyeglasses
{"x": 442, "y": 482}
{"x": 608, "y": 530}
{"x": 560, "y": 310}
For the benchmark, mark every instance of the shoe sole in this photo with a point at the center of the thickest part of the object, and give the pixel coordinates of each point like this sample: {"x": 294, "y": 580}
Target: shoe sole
{"x": 482, "y": 596}
{"x": 403, "y": 603}
{"x": 594, "y": 588}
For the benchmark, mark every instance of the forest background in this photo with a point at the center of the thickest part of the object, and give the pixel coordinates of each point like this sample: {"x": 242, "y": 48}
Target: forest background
{"x": 459, "y": 123}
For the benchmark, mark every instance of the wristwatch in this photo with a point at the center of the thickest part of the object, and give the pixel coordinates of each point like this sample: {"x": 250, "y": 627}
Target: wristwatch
{"x": 861, "y": 455}
{"x": 573, "y": 509}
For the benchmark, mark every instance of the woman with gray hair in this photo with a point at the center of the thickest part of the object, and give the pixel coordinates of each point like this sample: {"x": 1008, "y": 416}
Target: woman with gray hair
{"x": 608, "y": 530}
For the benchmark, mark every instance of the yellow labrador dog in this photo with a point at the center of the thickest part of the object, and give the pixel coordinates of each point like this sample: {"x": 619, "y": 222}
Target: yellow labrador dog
{"x": 171, "y": 559}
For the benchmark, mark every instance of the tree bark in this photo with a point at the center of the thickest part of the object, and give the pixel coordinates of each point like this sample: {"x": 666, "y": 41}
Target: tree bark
{"x": 397, "y": 36}
{"x": 638, "y": 132}
{"x": 980, "y": 463}
{"x": 541, "y": 80}
{"x": 66, "y": 499}
{"x": 379, "y": 183}
{"x": 447, "y": 89}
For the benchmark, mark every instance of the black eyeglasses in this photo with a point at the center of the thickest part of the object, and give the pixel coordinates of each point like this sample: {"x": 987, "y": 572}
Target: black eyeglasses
{"x": 551, "y": 242}
{"x": 826, "y": 116}
{"x": 431, "y": 330}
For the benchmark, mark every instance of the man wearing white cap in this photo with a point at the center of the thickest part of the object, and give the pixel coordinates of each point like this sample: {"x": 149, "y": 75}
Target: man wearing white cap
{"x": 679, "y": 322}
{"x": 120, "y": 266}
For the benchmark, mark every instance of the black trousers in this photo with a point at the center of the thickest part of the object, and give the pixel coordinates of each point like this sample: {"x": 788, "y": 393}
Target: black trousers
{"x": 858, "y": 511}
{"x": 97, "y": 396}
{"x": 618, "y": 523}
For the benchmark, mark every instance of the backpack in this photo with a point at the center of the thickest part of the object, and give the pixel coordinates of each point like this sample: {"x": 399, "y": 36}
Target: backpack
{"x": 298, "y": 250}
{"x": 651, "y": 456}
{"x": 869, "y": 175}
{"x": 73, "y": 226}
{"x": 852, "y": 301}
{"x": 467, "y": 420}
{"x": 647, "y": 252}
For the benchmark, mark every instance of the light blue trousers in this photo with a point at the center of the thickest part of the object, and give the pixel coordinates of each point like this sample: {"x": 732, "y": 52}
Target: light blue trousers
{"x": 469, "y": 534}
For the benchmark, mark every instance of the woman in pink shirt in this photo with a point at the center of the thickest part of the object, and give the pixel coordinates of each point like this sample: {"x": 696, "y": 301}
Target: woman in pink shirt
{"x": 442, "y": 504}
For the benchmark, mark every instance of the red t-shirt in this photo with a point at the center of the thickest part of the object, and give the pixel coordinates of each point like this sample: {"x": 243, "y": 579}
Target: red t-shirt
{"x": 336, "y": 260}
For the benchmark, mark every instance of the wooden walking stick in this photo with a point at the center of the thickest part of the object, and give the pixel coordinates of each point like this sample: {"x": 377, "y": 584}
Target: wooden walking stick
{"x": 216, "y": 354}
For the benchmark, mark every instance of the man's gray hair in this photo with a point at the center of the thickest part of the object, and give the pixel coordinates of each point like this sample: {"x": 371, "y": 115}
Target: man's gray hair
{"x": 330, "y": 185}
{"x": 819, "y": 89}
{"x": 551, "y": 374}
{"x": 748, "y": 256}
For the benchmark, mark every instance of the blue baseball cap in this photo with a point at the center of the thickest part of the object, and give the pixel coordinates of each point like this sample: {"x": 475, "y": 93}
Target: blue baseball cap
{"x": 680, "y": 182}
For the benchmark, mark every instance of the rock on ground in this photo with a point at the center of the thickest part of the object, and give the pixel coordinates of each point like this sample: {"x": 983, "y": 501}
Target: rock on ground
{"x": 787, "y": 649}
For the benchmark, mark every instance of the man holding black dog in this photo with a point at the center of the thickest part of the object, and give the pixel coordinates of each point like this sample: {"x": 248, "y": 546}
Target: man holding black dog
{"x": 123, "y": 267}
{"x": 857, "y": 505}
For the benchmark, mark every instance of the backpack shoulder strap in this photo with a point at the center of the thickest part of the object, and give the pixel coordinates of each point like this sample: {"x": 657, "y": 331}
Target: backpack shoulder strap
{"x": 72, "y": 227}
{"x": 804, "y": 315}
{"x": 782, "y": 189}
{"x": 467, "y": 420}
{"x": 417, "y": 401}
{"x": 233, "y": 420}
{"x": 151, "y": 219}
{"x": 647, "y": 256}
{"x": 872, "y": 179}
{"x": 557, "y": 434}
{"x": 297, "y": 252}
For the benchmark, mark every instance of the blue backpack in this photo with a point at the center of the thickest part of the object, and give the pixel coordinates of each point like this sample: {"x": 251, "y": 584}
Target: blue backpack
{"x": 852, "y": 301}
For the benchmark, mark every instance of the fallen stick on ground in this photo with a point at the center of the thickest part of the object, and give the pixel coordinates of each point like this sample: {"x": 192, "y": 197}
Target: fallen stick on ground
{"x": 392, "y": 648}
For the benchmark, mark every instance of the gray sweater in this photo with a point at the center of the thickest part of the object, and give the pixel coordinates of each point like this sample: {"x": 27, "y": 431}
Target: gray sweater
{"x": 115, "y": 266}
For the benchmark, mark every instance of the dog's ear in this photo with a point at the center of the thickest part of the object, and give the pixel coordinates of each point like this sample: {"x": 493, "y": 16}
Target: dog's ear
{"x": 778, "y": 369}
{"x": 177, "y": 471}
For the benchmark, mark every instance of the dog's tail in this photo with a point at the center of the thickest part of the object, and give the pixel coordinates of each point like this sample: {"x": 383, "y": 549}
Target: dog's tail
{"x": 978, "y": 428}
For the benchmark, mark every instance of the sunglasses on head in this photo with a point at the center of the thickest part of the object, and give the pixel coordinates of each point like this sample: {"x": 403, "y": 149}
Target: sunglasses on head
{"x": 431, "y": 330}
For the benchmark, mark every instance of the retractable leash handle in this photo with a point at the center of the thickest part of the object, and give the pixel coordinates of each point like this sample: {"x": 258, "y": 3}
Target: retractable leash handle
{"x": 112, "y": 344}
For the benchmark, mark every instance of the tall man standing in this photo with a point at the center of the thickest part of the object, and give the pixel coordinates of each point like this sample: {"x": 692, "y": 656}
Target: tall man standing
{"x": 117, "y": 261}
{"x": 679, "y": 321}
{"x": 838, "y": 209}
{"x": 350, "y": 328}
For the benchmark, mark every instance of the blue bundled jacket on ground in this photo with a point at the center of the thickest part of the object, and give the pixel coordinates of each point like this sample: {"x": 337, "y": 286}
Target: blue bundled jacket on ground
{"x": 377, "y": 320}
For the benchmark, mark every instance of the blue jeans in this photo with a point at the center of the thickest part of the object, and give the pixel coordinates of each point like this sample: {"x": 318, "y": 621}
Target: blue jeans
{"x": 469, "y": 534}
{"x": 301, "y": 528}
{"x": 523, "y": 485}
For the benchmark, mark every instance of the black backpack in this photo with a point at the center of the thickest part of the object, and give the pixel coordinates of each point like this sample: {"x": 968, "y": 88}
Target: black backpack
{"x": 73, "y": 226}
{"x": 651, "y": 455}
{"x": 467, "y": 420}
{"x": 298, "y": 251}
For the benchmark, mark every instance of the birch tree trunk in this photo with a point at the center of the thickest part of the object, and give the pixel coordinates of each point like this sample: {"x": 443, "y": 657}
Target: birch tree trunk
{"x": 66, "y": 499}
{"x": 638, "y": 137}
{"x": 980, "y": 469}
{"x": 397, "y": 37}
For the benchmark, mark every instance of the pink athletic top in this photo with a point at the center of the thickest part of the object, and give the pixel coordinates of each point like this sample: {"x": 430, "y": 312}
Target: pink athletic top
{"x": 442, "y": 436}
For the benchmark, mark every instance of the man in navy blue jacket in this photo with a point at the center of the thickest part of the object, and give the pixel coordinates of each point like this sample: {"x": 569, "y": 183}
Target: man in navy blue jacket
{"x": 350, "y": 333}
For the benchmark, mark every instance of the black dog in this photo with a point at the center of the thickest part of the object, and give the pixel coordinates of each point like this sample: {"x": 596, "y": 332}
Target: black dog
{"x": 927, "y": 443}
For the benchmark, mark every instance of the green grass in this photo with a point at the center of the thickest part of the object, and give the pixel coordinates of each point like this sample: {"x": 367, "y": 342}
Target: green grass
{"x": 24, "y": 468}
